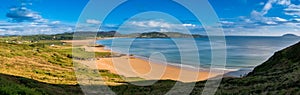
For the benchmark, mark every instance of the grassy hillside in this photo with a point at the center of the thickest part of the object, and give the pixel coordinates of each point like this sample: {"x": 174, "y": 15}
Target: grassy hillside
{"x": 285, "y": 61}
{"x": 44, "y": 67}
{"x": 278, "y": 75}
{"x": 13, "y": 85}
{"x": 39, "y": 68}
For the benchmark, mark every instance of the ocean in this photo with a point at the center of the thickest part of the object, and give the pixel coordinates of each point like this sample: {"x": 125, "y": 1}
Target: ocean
{"x": 243, "y": 53}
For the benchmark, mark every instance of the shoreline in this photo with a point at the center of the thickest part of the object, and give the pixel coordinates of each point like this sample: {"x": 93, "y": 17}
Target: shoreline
{"x": 135, "y": 66}
{"x": 177, "y": 65}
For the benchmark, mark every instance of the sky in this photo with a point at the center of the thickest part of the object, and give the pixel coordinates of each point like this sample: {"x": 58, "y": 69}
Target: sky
{"x": 237, "y": 17}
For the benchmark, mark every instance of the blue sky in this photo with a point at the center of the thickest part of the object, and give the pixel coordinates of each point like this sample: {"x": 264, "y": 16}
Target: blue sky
{"x": 238, "y": 17}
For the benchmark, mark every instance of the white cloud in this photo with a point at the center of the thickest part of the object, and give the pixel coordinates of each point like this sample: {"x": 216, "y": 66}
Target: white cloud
{"x": 280, "y": 19}
{"x": 296, "y": 19}
{"x": 259, "y": 18}
{"x": 261, "y": 3}
{"x": 189, "y": 25}
{"x": 259, "y": 24}
{"x": 138, "y": 26}
{"x": 293, "y": 10}
{"x": 265, "y": 30}
{"x": 256, "y": 15}
{"x": 269, "y": 26}
{"x": 55, "y": 22}
{"x": 270, "y": 4}
{"x": 227, "y": 22}
{"x": 267, "y": 7}
{"x": 27, "y": 28}
{"x": 2, "y": 30}
{"x": 284, "y": 2}
{"x": 147, "y": 26}
{"x": 271, "y": 23}
{"x": 24, "y": 21}
{"x": 23, "y": 14}
{"x": 151, "y": 23}
{"x": 93, "y": 21}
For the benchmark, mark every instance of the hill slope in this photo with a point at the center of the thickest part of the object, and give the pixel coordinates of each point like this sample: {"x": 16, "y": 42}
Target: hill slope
{"x": 278, "y": 75}
{"x": 42, "y": 69}
{"x": 285, "y": 61}
{"x": 28, "y": 68}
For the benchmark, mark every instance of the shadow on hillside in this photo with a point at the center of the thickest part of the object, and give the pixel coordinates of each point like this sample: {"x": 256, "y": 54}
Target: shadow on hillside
{"x": 19, "y": 85}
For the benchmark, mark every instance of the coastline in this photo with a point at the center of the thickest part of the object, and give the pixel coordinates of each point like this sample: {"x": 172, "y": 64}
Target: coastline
{"x": 133, "y": 66}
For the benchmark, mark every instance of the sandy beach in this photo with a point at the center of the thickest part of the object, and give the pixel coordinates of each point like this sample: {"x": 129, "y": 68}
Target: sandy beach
{"x": 130, "y": 66}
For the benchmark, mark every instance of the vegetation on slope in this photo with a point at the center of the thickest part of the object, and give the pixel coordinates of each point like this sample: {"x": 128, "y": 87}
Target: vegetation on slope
{"x": 36, "y": 63}
{"x": 45, "y": 67}
{"x": 278, "y": 75}
{"x": 39, "y": 68}
{"x": 13, "y": 85}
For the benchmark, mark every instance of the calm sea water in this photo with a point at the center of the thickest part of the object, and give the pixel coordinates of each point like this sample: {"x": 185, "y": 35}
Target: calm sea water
{"x": 243, "y": 53}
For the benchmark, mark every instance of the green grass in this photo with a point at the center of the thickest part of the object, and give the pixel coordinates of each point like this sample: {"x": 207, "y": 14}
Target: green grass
{"x": 12, "y": 88}
{"x": 37, "y": 61}
{"x": 80, "y": 53}
{"x": 38, "y": 68}
{"x": 12, "y": 85}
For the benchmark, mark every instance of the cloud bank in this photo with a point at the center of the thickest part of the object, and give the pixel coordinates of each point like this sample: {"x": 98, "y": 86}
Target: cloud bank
{"x": 93, "y": 21}
{"x": 23, "y": 14}
{"x": 7, "y": 28}
{"x": 259, "y": 23}
{"x": 24, "y": 21}
{"x": 156, "y": 25}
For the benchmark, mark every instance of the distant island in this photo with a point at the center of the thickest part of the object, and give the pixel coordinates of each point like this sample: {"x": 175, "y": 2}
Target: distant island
{"x": 167, "y": 35}
{"x": 153, "y": 35}
{"x": 289, "y": 35}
